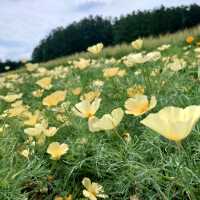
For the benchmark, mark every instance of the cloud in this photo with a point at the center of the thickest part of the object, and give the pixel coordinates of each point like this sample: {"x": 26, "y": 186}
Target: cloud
{"x": 25, "y": 22}
{"x": 91, "y": 5}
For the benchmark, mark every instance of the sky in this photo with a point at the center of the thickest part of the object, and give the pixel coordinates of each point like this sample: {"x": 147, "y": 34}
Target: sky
{"x": 23, "y": 23}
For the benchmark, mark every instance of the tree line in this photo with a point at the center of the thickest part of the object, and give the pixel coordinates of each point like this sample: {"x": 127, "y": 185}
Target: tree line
{"x": 9, "y": 65}
{"x": 79, "y": 35}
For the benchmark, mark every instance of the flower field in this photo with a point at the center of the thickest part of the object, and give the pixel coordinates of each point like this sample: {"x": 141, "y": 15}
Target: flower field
{"x": 100, "y": 127}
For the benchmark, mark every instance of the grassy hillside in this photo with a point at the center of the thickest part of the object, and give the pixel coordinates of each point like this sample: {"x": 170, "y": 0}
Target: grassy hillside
{"x": 41, "y": 105}
{"x": 118, "y": 51}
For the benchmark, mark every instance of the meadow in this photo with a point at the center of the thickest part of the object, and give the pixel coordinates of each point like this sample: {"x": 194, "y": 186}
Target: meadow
{"x": 117, "y": 123}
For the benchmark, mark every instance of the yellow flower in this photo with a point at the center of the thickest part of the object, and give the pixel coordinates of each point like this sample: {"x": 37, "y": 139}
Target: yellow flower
{"x": 56, "y": 150}
{"x": 96, "y": 49}
{"x": 137, "y": 44}
{"x": 25, "y": 153}
{"x": 133, "y": 59}
{"x": 45, "y": 83}
{"x": 54, "y": 99}
{"x": 107, "y": 122}
{"x": 17, "y": 104}
{"x": 98, "y": 83}
{"x": 93, "y": 190}
{"x": 12, "y": 77}
{"x": 24, "y": 60}
{"x": 11, "y": 98}
{"x": 82, "y": 63}
{"x": 31, "y": 67}
{"x": 86, "y": 109}
{"x": 77, "y": 91}
{"x": 152, "y": 56}
{"x": 139, "y": 105}
{"x": 174, "y": 123}
{"x": 113, "y": 71}
{"x": 176, "y": 64}
{"x": 197, "y": 50}
{"x": 37, "y": 93}
{"x": 90, "y": 96}
{"x": 58, "y": 198}
{"x": 134, "y": 197}
{"x": 31, "y": 119}
{"x": 127, "y": 137}
{"x": 41, "y": 131}
{"x": 164, "y": 47}
{"x": 69, "y": 197}
{"x": 17, "y": 111}
{"x": 189, "y": 39}
{"x": 110, "y": 72}
{"x": 135, "y": 90}
{"x": 121, "y": 73}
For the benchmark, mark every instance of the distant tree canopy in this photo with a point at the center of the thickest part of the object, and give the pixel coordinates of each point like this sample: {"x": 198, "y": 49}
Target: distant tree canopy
{"x": 9, "y": 65}
{"x": 79, "y": 35}
{"x": 75, "y": 38}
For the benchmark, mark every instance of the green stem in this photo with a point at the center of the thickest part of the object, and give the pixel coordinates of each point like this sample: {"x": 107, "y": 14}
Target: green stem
{"x": 118, "y": 135}
{"x": 179, "y": 145}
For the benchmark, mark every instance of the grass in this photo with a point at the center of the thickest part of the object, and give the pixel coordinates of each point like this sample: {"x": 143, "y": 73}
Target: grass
{"x": 149, "y": 166}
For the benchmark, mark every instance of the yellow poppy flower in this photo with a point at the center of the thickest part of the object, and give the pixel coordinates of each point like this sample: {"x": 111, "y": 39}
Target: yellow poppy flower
{"x": 54, "y": 99}
{"x": 11, "y": 98}
{"x": 31, "y": 119}
{"x": 90, "y": 96}
{"x": 86, "y": 109}
{"x": 31, "y": 67}
{"x": 98, "y": 83}
{"x": 82, "y": 63}
{"x": 164, "y": 47}
{"x": 45, "y": 83}
{"x": 127, "y": 137}
{"x": 134, "y": 197}
{"x": 174, "y": 123}
{"x": 12, "y": 77}
{"x": 17, "y": 111}
{"x": 197, "y": 50}
{"x": 96, "y": 49}
{"x": 25, "y": 153}
{"x": 93, "y": 190}
{"x": 176, "y": 64}
{"x": 152, "y": 56}
{"x": 77, "y": 91}
{"x": 69, "y": 197}
{"x": 38, "y": 93}
{"x": 121, "y": 73}
{"x": 135, "y": 90}
{"x": 110, "y": 72}
{"x": 58, "y": 198}
{"x": 139, "y": 105}
{"x": 107, "y": 122}
{"x": 189, "y": 39}
{"x": 41, "y": 131}
{"x": 137, "y": 44}
{"x": 17, "y": 104}
{"x": 56, "y": 150}
{"x": 133, "y": 59}
{"x": 113, "y": 71}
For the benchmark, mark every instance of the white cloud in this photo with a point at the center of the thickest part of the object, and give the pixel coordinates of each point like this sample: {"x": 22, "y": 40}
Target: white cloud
{"x": 25, "y": 22}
